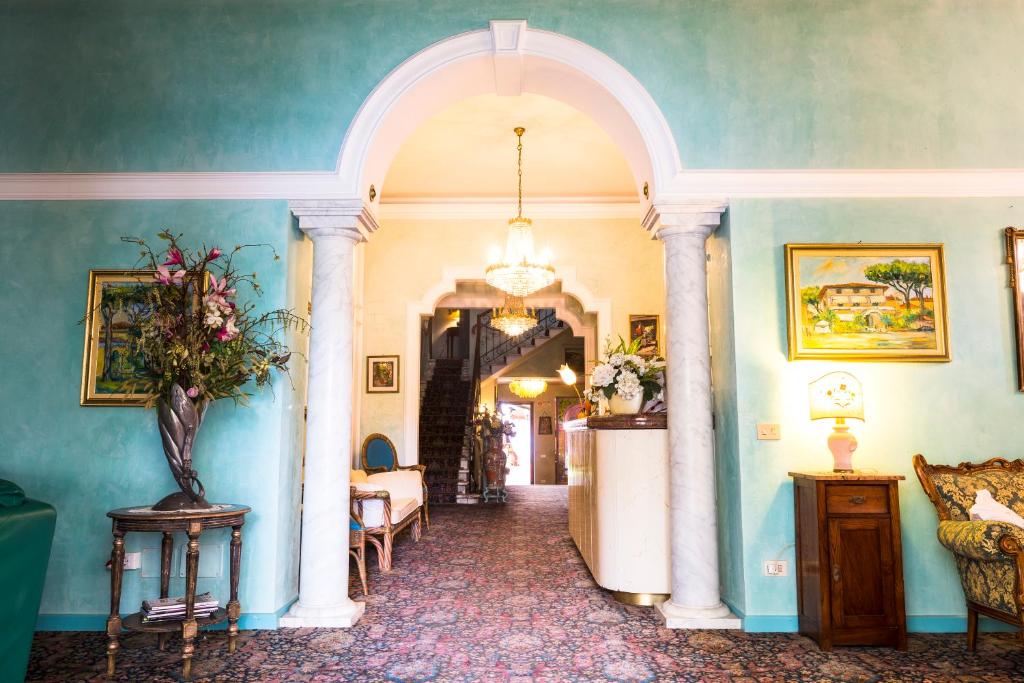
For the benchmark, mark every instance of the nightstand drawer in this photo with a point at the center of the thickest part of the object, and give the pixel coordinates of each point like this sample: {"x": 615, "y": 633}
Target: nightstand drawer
{"x": 847, "y": 499}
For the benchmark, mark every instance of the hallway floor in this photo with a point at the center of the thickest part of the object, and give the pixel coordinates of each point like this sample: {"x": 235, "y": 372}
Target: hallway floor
{"x": 499, "y": 593}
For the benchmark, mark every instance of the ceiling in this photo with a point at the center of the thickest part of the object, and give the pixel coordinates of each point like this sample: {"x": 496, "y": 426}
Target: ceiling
{"x": 468, "y": 150}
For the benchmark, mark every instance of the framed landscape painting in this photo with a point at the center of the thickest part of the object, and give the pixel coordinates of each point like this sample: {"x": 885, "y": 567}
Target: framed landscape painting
{"x": 382, "y": 374}
{"x": 870, "y": 302}
{"x": 112, "y": 373}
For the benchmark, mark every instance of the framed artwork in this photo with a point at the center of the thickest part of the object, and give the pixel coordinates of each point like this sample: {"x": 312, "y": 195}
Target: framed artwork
{"x": 869, "y": 302}
{"x": 382, "y": 374}
{"x": 112, "y": 374}
{"x": 647, "y": 329}
{"x": 1015, "y": 259}
{"x": 544, "y": 425}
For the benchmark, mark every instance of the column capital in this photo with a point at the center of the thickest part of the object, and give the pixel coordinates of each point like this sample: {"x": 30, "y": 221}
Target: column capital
{"x": 349, "y": 218}
{"x": 697, "y": 217}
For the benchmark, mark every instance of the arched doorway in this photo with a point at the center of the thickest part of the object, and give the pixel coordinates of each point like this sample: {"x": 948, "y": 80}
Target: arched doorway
{"x": 510, "y": 58}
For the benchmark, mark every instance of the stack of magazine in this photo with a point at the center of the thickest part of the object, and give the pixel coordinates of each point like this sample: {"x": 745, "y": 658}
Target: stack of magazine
{"x": 173, "y": 609}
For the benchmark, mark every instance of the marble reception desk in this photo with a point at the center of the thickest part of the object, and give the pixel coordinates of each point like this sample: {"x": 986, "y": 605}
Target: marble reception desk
{"x": 619, "y": 502}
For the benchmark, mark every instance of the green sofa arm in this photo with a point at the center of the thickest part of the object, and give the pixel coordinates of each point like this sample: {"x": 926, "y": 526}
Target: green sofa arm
{"x": 26, "y": 534}
{"x": 979, "y": 540}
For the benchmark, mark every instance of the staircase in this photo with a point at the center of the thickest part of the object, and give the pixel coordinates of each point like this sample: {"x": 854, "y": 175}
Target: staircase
{"x": 446, "y": 398}
{"x": 499, "y": 353}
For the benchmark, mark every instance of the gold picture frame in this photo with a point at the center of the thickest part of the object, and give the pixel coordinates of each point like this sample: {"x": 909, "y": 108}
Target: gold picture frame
{"x": 109, "y": 369}
{"x": 383, "y": 374}
{"x": 867, "y": 302}
{"x": 1015, "y": 260}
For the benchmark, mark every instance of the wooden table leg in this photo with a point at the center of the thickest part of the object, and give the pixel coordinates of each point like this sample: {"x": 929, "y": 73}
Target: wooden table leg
{"x": 114, "y": 620}
{"x": 189, "y": 627}
{"x": 166, "y": 551}
{"x": 234, "y": 608}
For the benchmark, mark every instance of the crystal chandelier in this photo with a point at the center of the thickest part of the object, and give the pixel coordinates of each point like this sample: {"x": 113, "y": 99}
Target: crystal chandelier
{"x": 514, "y": 317}
{"x": 528, "y": 387}
{"x": 519, "y": 272}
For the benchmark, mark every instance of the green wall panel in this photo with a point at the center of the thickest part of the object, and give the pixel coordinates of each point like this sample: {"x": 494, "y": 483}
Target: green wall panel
{"x": 87, "y": 460}
{"x": 272, "y": 84}
{"x": 967, "y": 409}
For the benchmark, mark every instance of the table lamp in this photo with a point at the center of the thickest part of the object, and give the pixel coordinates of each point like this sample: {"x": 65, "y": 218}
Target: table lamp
{"x": 838, "y": 395}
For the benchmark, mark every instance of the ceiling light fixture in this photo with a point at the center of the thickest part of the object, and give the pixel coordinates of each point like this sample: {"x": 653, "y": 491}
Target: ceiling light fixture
{"x": 514, "y": 318}
{"x": 519, "y": 272}
{"x": 528, "y": 387}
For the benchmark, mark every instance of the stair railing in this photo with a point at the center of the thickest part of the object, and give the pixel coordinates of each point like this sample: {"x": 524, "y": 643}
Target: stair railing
{"x": 497, "y": 344}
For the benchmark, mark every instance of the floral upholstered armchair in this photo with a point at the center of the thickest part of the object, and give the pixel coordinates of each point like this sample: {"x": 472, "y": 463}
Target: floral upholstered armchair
{"x": 989, "y": 555}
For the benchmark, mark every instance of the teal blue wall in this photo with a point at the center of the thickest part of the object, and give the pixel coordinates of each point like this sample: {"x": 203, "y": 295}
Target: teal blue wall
{"x": 968, "y": 409}
{"x": 87, "y": 460}
{"x": 272, "y": 84}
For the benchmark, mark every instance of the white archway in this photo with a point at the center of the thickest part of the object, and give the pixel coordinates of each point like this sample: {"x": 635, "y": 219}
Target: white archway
{"x": 446, "y": 286}
{"x": 508, "y": 59}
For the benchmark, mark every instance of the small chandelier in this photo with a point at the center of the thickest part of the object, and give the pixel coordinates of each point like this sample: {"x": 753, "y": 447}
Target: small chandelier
{"x": 519, "y": 272}
{"x": 528, "y": 387}
{"x": 514, "y": 317}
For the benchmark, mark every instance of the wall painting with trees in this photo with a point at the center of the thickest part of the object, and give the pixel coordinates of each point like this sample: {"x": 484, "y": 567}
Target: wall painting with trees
{"x": 114, "y": 372}
{"x": 866, "y": 302}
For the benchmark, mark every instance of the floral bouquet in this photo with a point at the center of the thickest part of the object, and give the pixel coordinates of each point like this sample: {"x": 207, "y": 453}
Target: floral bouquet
{"x": 199, "y": 345}
{"x": 627, "y": 375}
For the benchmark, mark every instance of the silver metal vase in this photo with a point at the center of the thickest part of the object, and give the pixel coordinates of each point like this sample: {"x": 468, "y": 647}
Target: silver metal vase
{"x": 179, "y": 419}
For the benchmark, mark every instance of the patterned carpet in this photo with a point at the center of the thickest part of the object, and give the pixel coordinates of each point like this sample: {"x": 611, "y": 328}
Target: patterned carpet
{"x": 489, "y": 595}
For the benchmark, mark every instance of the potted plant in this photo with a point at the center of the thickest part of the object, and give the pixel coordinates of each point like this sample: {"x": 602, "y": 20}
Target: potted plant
{"x": 625, "y": 379}
{"x": 200, "y": 345}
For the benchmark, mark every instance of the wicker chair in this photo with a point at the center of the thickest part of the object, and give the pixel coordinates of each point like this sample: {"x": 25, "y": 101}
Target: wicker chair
{"x": 386, "y": 524}
{"x": 357, "y": 547}
{"x": 378, "y": 454}
{"x": 989, "y": 555}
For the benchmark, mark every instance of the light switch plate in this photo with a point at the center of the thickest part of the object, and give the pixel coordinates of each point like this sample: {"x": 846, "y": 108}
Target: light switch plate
{"x": 776, "y": 568}
{"x": 133, "y": 560}
{"x": 768, "y": 431}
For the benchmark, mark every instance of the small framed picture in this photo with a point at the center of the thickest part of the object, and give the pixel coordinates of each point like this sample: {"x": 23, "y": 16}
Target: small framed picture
{"x": 544, "y": 425}
{"x": 114, "y": 373}
{"x": 647, "y": 329}
{"x": 866, "y": 302}
{"x": 382, "y": 374}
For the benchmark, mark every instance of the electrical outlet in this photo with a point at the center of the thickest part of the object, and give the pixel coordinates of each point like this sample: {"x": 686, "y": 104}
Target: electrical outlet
{"x": 133, "y": 560}
{"x": 776, "y": 568}
{"x": 768, "y": 431}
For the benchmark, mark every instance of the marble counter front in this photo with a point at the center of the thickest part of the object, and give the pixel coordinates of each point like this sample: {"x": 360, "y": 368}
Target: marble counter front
{"x": 618, "y": 500}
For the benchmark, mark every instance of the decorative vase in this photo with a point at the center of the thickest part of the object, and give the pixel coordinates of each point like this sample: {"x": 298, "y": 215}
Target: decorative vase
{"x": 622, "y": 406}
{"x": 179, "y": 420}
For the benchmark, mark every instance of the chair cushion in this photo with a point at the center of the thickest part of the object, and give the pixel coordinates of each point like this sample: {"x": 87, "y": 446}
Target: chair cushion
{"x": 380, "y": 454}
{"x": 400, "y": 484}
{"x": 988, "y": 509}
{"x": 373, "y": 511}
{"x": 353, "y": 525}
{"x": 357, "y": 477}
{"x": 957, "y": 491}
{"x": 10, "y": 494}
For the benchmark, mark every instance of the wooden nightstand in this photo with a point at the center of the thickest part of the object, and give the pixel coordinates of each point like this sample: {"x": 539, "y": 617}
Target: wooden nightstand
{"x": 849, "y": 558}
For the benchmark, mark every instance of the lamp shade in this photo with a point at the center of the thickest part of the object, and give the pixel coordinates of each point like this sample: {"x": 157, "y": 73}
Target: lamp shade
{"x": 567, "y": 375}
{"x": 836, "y": 395}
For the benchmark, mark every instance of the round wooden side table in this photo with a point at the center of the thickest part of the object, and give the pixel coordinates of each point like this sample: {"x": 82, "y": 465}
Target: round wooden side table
{"x": 193, "y": 523}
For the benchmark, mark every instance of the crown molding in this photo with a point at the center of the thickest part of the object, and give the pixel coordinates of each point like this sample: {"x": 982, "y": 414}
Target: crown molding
{"x": 728, "y": 184}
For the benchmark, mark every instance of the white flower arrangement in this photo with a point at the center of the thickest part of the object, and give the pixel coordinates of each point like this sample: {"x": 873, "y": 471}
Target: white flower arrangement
{"x": 626, "y": 373}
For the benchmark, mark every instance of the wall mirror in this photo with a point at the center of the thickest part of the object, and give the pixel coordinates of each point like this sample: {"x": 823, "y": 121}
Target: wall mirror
{"x": 1015, "y": 259}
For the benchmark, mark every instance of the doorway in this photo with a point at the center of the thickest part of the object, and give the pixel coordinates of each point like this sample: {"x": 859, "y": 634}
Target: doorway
{"x": 520, "y": 446}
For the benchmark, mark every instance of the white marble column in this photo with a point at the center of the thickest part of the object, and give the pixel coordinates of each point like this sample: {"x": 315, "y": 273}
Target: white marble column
{"x": 335, "y": 227}
{"x": 696, "y": 599}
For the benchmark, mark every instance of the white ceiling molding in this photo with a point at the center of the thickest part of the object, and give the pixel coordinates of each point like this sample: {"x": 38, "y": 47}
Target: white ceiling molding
{"x": 729, "y": 184}
{"x": 508, "y": 58}
{"x": 479, "y": 208}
